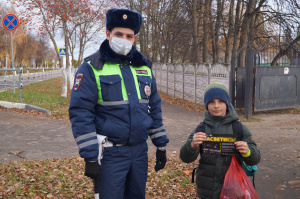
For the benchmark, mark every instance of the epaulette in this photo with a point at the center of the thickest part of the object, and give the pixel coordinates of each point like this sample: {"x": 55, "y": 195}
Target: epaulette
{"x": 87, "y": 59}
{"x": 95, "y": 60}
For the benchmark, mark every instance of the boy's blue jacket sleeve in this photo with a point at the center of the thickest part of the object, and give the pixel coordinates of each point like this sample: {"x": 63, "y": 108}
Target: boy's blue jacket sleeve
{"x": 82, "y": 112}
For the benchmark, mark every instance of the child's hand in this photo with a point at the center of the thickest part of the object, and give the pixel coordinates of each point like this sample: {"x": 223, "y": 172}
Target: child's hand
{"x": 242, "y": 147}
{"x": 198, "y": 138}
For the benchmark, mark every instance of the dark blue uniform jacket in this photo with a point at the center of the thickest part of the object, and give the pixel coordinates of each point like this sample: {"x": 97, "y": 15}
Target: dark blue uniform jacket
{"x": 128, "y": 124}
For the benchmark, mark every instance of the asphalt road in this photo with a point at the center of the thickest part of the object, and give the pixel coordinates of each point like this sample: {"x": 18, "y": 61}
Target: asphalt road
{"x": 8, "y": 82}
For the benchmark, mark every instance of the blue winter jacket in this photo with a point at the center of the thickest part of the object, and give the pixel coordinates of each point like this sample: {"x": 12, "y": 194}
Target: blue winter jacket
{"x": 101, "y": 108}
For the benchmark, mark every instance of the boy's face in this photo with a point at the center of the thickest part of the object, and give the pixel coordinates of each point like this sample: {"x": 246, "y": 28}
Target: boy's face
{"x": 123, "y": 33}
{"x": 217, "y": 107}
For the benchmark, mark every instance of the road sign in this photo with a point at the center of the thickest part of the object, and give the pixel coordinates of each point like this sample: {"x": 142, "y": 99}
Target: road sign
{"x": 10, "y": 22}
{"x": 62, "y": 51}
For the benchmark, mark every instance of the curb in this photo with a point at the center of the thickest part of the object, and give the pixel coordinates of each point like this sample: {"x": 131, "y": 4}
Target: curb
{"x": 23, "y": 106}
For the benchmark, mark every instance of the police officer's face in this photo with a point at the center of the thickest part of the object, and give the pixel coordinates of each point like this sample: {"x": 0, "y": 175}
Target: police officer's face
{"x": 123, "y": 33}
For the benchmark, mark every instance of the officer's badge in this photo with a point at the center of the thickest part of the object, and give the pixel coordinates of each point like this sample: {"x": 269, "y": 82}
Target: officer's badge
{"x": 125, "y": 16}
{"x": 78, "y": 81}
{"x": 147, "y": 90}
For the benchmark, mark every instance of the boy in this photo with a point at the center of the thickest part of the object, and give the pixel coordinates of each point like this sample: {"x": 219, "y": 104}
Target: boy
{"x": 218, "y": 120}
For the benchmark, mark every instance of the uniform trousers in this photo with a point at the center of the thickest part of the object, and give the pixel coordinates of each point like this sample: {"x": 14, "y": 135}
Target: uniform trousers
{"x": 124, "y": 172}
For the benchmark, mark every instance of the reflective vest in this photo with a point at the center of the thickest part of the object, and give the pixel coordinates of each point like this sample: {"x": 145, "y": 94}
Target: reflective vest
{"x": 111, "y": 82}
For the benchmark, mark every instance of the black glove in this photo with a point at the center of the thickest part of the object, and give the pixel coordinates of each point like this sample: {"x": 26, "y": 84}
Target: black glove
{"x": 161, "y": 159}
{"x": 92, "y": 170}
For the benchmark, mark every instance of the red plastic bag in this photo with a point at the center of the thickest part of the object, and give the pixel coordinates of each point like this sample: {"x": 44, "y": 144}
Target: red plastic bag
{"x": 236, "y": 183}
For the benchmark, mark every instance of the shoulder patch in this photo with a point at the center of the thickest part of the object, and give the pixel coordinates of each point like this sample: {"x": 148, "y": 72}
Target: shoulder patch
{"x": 78, "y": 81}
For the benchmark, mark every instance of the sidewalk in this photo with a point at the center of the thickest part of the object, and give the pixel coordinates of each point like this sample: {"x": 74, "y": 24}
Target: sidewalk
{"x": 277, "y": 137}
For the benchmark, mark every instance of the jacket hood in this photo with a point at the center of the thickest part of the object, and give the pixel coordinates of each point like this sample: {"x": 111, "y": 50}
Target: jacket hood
{"x": 231, "y": 116}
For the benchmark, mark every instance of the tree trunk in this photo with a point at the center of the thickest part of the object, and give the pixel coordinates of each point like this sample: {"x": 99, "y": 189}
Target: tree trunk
{"x": 205, "y": 28}
{"x": 220, "y": 8}
{"x": 154, "y": 35}
{"x": 196, "y": 57}
{"x": 71, "y": 74}
{"x": 213, "y": 34}
{"x": 64, "y": 92}
{"x": 142, "y": 31}
{"x": 245, "y": 31}
{"x": 66, "y": 43}
{"x": 81, "y": 49}
{"x": 65, "y": 70}
{"x": 230, "y": 33}
{"x": 236, "y": 25}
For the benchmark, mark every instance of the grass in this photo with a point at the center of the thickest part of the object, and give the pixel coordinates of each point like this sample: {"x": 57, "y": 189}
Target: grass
{"x": 253, "y": 119}
{"x": 45, "y": 94}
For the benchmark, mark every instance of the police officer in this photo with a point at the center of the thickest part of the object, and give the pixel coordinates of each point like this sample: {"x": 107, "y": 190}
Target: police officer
{"x": 115, "y": 96}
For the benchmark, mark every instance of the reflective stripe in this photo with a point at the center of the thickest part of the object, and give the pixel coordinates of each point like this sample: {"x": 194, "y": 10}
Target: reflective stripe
{"x": 86, "y": 136}
{"x": 114, "y": 69}
{"x": 88, "y": 143}
{"x": 142, "y": 101}
{"x": 112, "y": 103}
{"x": 107, "y": 70}
{"x": 158, "y": 135}
{"x": 135, "y": 76}
{"x": 155, "y": 130}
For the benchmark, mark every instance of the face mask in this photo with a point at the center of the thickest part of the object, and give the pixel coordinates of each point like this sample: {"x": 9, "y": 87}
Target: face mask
{"x": 120, "y": 46}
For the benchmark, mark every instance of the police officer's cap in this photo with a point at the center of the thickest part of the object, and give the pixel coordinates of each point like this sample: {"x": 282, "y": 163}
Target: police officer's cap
{"x": 123, "y": 18}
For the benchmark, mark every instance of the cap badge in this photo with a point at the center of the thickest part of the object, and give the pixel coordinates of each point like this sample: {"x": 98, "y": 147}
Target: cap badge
{"x": 125, "y": 16}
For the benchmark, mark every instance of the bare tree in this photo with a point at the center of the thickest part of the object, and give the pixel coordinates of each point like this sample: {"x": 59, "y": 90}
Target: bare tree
{"x": 230, "y": 33}
{"x": 179, "y": 31}
{"x": 55, "y": 16}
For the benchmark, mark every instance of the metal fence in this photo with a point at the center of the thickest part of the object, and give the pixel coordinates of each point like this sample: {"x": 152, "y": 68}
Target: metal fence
{"x": 178, "y": 80}
{"x": 188, "y": 81}
{"x": 18, "y": 77}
